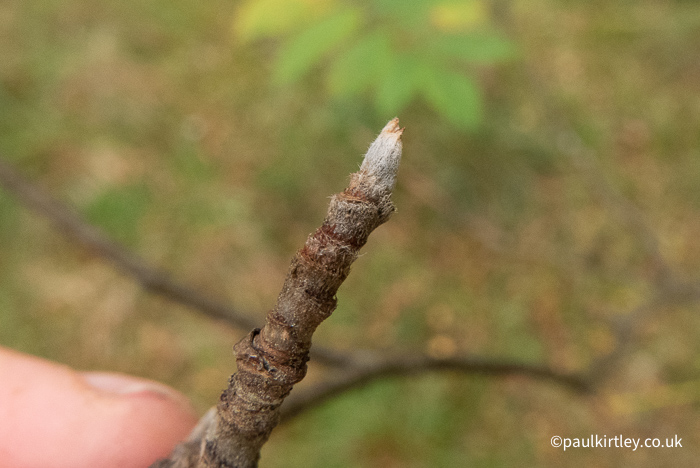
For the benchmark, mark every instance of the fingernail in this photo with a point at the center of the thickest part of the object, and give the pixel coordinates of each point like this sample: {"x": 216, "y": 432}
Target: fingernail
{"x": 119, "y": 384}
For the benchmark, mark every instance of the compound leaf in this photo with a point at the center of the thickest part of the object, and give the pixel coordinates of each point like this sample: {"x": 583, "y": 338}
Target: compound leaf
{"x": 455, "y": 96}
{"x": 404, "y": 78}
{"x": 303, "y": 51}
{"x": 361, "y": 66}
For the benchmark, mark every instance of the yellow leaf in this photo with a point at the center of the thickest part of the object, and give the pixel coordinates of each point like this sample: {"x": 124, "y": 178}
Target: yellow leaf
{"x": 459, "y": 16}
{"x": 256, "y": 19}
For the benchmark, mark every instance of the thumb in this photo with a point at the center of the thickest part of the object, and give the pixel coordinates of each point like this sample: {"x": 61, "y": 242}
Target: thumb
{"x": 51, "y": 415}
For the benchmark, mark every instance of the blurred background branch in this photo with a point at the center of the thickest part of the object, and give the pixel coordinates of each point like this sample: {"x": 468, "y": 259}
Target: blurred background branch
{"x": 383, "y": 367}
{"x": 95, "y": 241}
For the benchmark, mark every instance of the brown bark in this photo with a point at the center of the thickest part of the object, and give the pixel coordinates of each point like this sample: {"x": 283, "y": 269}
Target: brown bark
{"x": 272, "y": 359}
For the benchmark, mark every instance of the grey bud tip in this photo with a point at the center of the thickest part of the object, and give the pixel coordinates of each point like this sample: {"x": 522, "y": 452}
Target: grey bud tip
{"x": 383, "y": 156}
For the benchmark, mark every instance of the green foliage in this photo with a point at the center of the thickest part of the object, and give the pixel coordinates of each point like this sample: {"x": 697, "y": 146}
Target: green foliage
{"x": 363, "y": 61}
{"x": 474, "y": 48}
{"x": 454, "y": 96}
{"x": 389, "y": 51}
{"x": 303, "y": 51}
{"x": 119, "y": 211}
{"x": 400, "y": 83}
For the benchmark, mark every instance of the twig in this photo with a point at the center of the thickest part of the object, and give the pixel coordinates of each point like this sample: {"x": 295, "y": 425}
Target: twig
{"x": 624, "y": 210}
{"x": 626, "y": 326}
{"x": 393, "y": 366}
{"x": 92, "y": 238}
{"x": 671, "y": 289}
{"x": 273, "y": 359}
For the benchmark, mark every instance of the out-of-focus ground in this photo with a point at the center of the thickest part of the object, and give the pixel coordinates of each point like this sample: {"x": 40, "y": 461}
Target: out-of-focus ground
{"x": 159, "y": 127}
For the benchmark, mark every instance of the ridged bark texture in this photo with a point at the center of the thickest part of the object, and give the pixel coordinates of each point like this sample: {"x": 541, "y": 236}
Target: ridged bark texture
{"x": 272, "y": 359}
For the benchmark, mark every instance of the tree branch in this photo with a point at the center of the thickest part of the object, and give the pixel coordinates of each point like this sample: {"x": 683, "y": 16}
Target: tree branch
{"x": 626, "y": 326}
{"x": 583, "y": 159}
{"x": 93, "y": 239}
{"x": 402, "y": 365}
{"x": 671, "y": 288}
{"x": 273, "y": 359}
